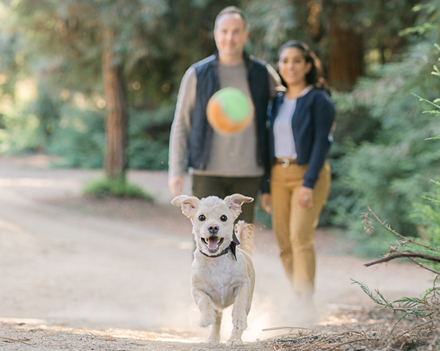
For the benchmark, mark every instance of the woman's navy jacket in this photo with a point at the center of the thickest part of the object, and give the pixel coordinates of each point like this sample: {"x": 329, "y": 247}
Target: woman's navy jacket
{"x": 312, "y": 123}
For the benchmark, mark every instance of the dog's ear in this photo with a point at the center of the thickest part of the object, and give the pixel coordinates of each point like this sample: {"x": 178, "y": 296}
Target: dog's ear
{"x": 234, "y": 202}
{"x": 188, "y": 204}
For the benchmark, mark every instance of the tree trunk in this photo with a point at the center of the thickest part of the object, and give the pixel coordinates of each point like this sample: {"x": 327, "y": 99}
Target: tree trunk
{"x": 116, "y": 117}
{"x": 346, "y": 54}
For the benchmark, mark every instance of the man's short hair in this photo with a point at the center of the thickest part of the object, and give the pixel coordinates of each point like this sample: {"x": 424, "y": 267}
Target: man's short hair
{"x": 230, "y": 10}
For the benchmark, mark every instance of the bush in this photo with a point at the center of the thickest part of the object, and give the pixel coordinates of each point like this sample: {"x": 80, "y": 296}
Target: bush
{"x": 423, "y": 251}
{"x": 149, "y": 134}
{"x": 117, "y": 187}
{"x": 391, "y": 167}
{"x": 80, "y": 138}
{"x": 18, "y": 132}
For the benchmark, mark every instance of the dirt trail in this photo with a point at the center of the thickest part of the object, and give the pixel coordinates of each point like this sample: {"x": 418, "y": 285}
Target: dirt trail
{"x": 83, "y": 274}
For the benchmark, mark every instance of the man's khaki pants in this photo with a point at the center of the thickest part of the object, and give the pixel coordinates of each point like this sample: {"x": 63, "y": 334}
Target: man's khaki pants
{"x": 295, "y": 228}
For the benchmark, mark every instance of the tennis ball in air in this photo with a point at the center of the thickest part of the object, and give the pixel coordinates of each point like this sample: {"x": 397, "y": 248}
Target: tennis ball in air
{"x": 229, "y": 111}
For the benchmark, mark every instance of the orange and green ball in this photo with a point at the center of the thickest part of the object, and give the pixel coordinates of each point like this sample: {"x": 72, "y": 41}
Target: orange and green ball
{"x": 229, "y": 111}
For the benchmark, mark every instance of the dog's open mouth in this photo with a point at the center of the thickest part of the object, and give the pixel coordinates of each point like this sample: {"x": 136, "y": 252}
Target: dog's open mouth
{"x": 213, "y": 242}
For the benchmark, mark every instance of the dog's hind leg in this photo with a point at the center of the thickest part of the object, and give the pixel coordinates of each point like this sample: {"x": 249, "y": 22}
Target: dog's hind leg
{"x": 245, "y": 234}
{"x": 235, "y": 339}
{"x": 214, "y": 336}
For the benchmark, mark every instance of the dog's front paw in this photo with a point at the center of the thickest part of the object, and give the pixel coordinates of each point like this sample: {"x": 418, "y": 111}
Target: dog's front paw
{"x": 234, "y": 342}
{"x": 212, "y": 341}
{"x": 207, "y": 318}
{"x": 239, "y": 321}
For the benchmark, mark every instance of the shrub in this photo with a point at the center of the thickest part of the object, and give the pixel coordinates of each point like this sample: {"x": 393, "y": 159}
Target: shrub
{"x": 80, "y": 138}
{"x": 149, "y": 134}
{"x": 391, "y": 168}
{"x": 116, "y": 187}
{"x": 423, "y": 251}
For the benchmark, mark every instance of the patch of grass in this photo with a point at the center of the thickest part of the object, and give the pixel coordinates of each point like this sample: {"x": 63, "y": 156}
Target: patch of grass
{"x": 117, "y": 188}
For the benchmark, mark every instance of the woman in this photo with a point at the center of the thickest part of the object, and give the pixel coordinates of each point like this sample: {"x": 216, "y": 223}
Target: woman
{"x": 301, "y": 120}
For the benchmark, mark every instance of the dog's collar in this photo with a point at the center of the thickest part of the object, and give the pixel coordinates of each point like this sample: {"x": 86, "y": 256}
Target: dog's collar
{"x": 232, "y": 246}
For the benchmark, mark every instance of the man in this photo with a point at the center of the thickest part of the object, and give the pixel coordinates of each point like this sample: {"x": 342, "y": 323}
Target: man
{"x": 222, "y": 165}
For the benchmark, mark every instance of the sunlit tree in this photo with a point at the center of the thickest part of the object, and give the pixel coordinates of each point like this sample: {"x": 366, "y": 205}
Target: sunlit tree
{"x": 131, "y": 52}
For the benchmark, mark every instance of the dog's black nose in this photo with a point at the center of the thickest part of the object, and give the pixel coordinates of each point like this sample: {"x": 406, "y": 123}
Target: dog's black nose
{"x": 213, "y": 229}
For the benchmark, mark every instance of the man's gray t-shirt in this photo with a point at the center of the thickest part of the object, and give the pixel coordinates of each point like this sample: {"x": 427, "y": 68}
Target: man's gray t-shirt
{"x": 232, "y": 155}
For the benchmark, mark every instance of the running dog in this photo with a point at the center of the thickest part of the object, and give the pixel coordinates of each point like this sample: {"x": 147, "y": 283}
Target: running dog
{"x": 222, "y": 274}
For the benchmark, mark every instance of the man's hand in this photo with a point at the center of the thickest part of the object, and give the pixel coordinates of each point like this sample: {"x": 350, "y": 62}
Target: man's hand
{"x": 175, "y": 184}
{"x": 305, "y": 198}
{"x": 266, "y": 203}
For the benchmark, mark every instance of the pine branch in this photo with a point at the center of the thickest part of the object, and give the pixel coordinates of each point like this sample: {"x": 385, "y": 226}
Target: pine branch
{"x": 425, "y": 100}
{"x": 418, "y": 326}
{"x": 408, "y": 306}
{"x": 406, "y": 254}
{"x": 387, "y": 227}
{"x": 370, "y": 294}
{"x": 427, "y": 197}
{"x": 425, "y": 267}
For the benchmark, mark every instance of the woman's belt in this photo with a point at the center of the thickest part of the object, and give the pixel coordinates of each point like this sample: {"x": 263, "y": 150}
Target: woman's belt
{"x": 285, "y": 162}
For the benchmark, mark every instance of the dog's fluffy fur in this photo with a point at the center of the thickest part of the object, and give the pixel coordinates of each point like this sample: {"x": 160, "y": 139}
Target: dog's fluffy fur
{"x": 219, "y": 281}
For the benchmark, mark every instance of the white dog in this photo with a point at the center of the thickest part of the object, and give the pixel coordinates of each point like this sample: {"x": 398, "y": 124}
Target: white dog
{"x": 222, "y": 274}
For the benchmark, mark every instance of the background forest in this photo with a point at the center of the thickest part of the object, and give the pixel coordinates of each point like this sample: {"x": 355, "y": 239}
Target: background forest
{"x": 95, "y": 82}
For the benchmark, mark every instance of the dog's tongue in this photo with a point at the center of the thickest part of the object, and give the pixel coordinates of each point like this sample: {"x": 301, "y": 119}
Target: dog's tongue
{"x": 212, "y": 244}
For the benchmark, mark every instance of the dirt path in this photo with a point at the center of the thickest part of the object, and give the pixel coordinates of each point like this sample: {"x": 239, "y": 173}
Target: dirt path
{"x": 83, "y": 274}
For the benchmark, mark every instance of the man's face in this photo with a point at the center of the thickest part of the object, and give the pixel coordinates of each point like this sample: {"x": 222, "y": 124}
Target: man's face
{"x": 230, "y": 35}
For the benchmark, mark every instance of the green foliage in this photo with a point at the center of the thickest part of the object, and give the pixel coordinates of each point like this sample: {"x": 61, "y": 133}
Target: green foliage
{"x": 18, "y": 132}
{"x": 427, "y": 214}
{"x": 149, "y": 138}
{"x": 406, "y": 306}
{"x": 116, "y": 187}
{"x": 273, "y": 23}
{"x": 153, "y": 41}
{"x": 13, "y": 54}
{"x": 80, "y": 138}
{"x": 46, "y": 110}
{"x": 389, "y": 168}
{"x": 59, "y": 46}
{"x": 428, "y": 20}
{"x": 423, "y": 251}
{"x": 269, "y": 25}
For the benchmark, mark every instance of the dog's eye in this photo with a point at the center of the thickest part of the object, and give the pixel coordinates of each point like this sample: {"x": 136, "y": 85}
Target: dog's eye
{"x": 202, "y": 218}
{"x": 223, "y": 218}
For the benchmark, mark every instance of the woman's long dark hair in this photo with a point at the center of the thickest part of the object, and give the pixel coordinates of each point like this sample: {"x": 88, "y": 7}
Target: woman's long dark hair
{"x": 314, "y": 76}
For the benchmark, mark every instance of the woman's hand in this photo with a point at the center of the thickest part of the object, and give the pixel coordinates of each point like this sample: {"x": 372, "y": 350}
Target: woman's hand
{"x": 305, "y": 198}
{"x": 266, "y": 203}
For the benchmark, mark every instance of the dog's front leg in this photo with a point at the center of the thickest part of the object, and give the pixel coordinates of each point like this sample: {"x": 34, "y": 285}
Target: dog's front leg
{"x": 241, "y": 307}
{"x": 208, "y": 315}
{"x": 235, "y": 339}
{"x": 239, "y": 315}
{"x": 214, "y": 336}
